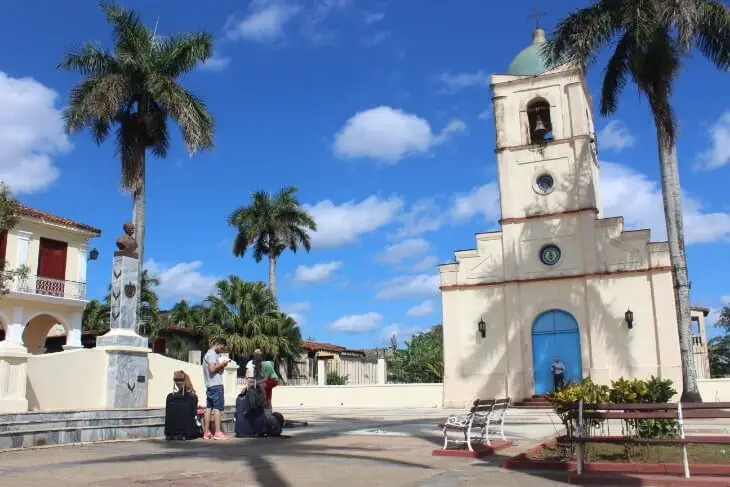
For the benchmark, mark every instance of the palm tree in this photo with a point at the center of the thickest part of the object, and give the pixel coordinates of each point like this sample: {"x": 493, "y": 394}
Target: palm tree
{"x": 149, "y": 302}
{"x": 649, "y": 39}
{"x": 247, "y": 316}
{"x": 95, "y": 316}
{"x": 270, "y": 226}
{"x": 136, "y": 89}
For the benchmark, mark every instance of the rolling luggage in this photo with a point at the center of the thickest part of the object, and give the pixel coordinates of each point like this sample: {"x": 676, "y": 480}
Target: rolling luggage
{"x": 181, "y": 410}
{"x": 252, "y": 419}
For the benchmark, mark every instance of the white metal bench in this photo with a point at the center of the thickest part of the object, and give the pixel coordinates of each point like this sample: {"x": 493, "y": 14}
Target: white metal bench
{"x": 483, "y": 415}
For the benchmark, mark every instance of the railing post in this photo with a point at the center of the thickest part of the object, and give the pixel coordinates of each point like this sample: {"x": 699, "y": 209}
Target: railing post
{"x": 579, "y": 437}
{"x": 685, "y": 460}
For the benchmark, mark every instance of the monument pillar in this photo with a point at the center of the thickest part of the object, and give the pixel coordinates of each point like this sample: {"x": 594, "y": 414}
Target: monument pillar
{"x": 127, "y": 351}
{"x": 13, "y": 366}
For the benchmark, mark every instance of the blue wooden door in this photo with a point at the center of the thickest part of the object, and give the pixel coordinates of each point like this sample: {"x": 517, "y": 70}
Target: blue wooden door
{"x": 555, "y": 334}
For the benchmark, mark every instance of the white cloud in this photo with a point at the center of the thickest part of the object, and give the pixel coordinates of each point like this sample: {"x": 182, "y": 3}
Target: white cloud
{"x": 457, "y": 82}
{"x": 427, "y": 215}
{"x": 615, "y": 136}
{"x": 374, "y": 17}
{"x": 406, "y": 249}
{"x": 485, "y": 115}
{"x": 296, "y": 310}
{"x": 264, "y": 23}
{"x": 401, "y": 332}
{"x": 481, "y": 200}
{"x": 215, "y": 64}
{"x": 357, "y": 323}
{"x": 344, "y": 223}
{"x": 423, "y": 309}
{"x": 31, "y": 133}
{"x": 725, "y": 300}
{"x": 375, "y": 39}
{"x": 388, "y": 135}
{"x": 317, "y": 272}
{"x": 629, "y": 193}
{"x": 718, "y": 155}
{"x": 425, "y": 264}
{"x": 408, "y": 286}
{"x": 182, "y": 281}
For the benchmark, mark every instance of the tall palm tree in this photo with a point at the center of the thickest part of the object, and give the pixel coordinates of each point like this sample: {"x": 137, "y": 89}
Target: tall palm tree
{"x": 136, "y": 90}
{"x": 649, "y": 39}
{"x": 247, "y": 316}
{"x": 270, "y": 225}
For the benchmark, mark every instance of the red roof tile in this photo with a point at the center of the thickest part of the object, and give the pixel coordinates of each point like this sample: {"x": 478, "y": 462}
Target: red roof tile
{"x": 315, "y": 346}
{"x": 42, "y": 215}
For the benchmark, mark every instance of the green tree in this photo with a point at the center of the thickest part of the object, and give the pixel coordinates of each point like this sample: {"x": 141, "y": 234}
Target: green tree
{"x": 246, "y": 315}
{"x": 270, "y": 225}
{"x": 9, "y": 218}
{"x": 136, "y": 89}
{"x": 649, "y": 39}
{"x": 95, "y": 316}
{"x": 422, "y": 359}
{"x": 718, "y": 349}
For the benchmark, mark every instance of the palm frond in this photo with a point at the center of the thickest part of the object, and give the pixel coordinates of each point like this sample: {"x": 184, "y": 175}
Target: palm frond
{"x": 180, "y": 53}
{"x": 617, "y": 70}
{"x": 712, "y": 34}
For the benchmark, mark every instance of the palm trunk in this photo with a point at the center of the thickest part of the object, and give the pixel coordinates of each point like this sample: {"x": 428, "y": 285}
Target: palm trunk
{"x": 272, "y": 275}
{"x": 138, "y": 201}
{"x": 672, "y": 196}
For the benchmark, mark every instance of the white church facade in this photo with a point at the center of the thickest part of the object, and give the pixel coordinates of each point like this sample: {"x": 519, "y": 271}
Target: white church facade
{"x": 556, "y": 279}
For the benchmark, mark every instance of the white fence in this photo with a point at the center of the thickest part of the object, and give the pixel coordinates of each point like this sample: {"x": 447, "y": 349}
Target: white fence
{"x": 347, "y": 371}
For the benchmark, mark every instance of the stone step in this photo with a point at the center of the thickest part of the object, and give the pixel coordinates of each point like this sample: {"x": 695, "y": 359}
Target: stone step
{"x": 66, "y": 427}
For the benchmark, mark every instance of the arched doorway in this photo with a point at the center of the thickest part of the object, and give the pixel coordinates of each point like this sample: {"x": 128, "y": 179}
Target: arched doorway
{"x": 555, "y": 333}
{"x": 37, "y": 330}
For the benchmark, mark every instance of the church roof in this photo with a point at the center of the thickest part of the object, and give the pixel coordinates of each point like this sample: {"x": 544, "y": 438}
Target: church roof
{"x": 530, "y": 62}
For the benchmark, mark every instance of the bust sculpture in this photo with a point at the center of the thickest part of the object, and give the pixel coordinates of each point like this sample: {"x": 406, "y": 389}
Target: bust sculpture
{"x": 127, "y": 244}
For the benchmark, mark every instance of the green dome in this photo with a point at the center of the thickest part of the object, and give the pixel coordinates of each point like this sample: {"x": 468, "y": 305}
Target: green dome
{"x": 529, "y": 62}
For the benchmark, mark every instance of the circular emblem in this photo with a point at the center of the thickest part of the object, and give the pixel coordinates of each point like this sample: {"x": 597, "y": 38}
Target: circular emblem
{"x": 545, "y": 183}
{"x": 550, "y": 254}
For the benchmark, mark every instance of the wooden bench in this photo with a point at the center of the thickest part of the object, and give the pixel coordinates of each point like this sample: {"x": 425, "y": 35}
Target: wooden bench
{"x": 483, "y": 414}
{"x": 678, "y": 412}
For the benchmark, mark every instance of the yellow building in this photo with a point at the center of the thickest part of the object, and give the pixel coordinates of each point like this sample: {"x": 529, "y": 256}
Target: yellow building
{"x": 557, "y": 279}
{"x": 55, "y": 251}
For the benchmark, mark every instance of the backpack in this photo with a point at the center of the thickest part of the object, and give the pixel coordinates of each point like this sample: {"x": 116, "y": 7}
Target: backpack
{"x": 253, "y": 400}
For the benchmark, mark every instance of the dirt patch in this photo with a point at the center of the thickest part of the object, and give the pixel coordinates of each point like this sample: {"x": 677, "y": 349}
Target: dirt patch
{"x": 697, "y": 454}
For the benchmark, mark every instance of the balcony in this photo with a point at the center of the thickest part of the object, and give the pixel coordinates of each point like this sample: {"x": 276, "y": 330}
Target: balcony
{"x": 45, "y": 286}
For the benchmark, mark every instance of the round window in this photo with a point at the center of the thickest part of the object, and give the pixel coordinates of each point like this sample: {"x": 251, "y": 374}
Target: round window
{"x": 545, "y": 183}
{"x": 550, "y": 254}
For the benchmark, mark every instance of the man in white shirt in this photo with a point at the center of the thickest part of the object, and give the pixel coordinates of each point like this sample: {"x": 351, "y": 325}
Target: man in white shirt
{"x": 558, "y": 370}
{"x": 213, "y": 368}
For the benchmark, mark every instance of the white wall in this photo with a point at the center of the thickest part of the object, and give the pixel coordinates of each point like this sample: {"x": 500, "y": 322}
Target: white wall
{"x": 75, "y": 379}
{"x": 356, "y": 396}
{"x": 714, "y": 390}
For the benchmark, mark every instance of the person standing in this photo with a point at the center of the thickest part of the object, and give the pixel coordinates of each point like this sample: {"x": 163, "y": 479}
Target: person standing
{"x": 213, "y": 367}
{"x": 558, "y": 370}
{"x": 264, "y": 373}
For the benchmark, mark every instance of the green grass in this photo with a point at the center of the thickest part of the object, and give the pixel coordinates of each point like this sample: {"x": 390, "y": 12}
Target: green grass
{"x": 697, "y": 454}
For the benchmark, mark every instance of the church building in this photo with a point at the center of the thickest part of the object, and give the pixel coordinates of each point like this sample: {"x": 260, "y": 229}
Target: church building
{"x": 556, "y": 280}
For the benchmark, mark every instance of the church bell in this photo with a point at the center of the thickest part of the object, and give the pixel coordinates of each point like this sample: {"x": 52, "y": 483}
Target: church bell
{"x": 539, "y": 129}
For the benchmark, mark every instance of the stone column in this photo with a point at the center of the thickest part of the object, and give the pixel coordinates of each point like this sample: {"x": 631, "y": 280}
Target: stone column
{"x": 230, "y": 383}
{"x": 127, "y": 364}
{"x": 13, "y": 365}
{"x": 382, "y": 371}
{"x": 195, "y": 357}
{"x": 73, "y": 336}
{"x": 321, "y": 372}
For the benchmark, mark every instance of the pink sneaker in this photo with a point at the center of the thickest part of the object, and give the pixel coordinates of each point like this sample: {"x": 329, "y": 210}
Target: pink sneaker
{"x": 220, "y": 436}
{"x": 208, "y": 436}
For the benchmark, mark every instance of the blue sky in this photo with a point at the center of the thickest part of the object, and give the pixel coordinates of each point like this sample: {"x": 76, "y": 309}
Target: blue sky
{"x": 301, "y": 90}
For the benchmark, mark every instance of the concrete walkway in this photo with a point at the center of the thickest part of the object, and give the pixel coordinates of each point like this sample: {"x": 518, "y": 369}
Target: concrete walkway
{"x": 343, "y": 447}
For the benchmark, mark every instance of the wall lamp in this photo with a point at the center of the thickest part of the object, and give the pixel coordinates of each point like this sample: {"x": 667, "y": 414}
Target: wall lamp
{"x": 629, "y": 317}
{"x": 93, "y": 254}
{"x": 482, "y": 327}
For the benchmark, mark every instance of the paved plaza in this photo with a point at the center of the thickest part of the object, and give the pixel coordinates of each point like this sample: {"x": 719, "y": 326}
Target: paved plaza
{"x": 341, "y": 447}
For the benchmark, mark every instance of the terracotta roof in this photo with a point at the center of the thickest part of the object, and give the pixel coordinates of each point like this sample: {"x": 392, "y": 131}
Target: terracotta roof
{"x": 58, "y": 220}
{"x": 315, "y": 346}
{"x": 705, "y": 311}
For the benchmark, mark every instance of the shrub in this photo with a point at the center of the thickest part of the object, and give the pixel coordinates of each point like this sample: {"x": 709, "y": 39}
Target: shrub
{"x": 335, "y": 379}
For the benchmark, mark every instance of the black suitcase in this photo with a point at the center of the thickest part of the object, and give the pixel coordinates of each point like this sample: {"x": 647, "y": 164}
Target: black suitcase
{"x": 257, "y": 423}
{"x": 180, "y": 417}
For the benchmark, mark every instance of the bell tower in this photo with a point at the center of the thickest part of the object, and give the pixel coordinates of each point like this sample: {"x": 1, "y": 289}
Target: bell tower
{"x": 546, "y": 148}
